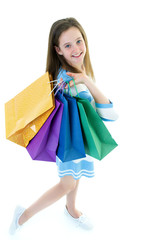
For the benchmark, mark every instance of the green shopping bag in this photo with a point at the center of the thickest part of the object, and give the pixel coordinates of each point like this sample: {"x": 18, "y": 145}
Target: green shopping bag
{"x": 98, "y": 141}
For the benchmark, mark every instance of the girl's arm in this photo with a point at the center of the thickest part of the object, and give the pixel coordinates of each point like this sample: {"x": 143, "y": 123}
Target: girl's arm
{"x": 103, "y": 106}
{"x": 95, "y": 92}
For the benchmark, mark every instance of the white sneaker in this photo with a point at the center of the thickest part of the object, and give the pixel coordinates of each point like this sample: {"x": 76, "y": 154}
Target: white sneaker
{"x": 83, "y": 221}
{"x": 15, "y": 225}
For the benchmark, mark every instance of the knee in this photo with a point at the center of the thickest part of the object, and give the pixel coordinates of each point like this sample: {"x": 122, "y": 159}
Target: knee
{"x": 68, "y": 183}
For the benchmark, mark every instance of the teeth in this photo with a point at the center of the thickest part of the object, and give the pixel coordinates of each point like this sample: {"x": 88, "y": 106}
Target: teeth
{"x": 76, "y": 55}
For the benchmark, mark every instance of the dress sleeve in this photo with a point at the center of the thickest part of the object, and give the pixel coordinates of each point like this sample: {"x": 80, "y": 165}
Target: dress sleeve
{"x": 106, "y": 111}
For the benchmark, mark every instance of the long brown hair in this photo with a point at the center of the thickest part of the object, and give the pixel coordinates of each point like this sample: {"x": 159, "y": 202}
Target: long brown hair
{"x": 54, "y": 60}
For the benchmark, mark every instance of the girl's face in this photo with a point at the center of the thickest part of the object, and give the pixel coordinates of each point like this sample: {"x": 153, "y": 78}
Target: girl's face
{"x": 72, "y": 47}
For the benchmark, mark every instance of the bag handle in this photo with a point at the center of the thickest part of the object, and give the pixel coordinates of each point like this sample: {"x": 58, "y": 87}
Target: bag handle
{"x": 62, "y": 85}
{"x": 75, "y": 88}
{"x": 69, "y": 88}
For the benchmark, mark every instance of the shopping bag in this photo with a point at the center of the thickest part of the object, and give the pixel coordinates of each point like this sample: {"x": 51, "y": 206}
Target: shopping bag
{"x": 44, "y": 145}
{"x": 98, "y": 141}
{"x": 71, "y": 144}
{"x": 26, "y": 112}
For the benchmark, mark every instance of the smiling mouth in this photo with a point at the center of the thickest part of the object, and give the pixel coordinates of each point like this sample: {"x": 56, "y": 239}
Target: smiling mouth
{"x": 77, "y": 56}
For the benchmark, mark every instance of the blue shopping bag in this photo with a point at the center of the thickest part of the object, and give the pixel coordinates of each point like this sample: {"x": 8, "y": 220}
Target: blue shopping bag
{"x": 71, "y": 144}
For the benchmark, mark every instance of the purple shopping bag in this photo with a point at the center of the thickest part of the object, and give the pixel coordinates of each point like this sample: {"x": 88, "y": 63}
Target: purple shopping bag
{"x": 44, "y": 145}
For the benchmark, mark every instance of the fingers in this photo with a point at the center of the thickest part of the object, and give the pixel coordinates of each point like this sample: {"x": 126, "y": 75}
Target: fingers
{"x": 61, "y": 79}
{"x": 70, "y": 84}
{"x": 70, "y": 74}
{"x": 73, "y": 75}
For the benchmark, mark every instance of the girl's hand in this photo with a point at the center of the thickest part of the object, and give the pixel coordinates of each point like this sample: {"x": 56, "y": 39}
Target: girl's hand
{"x": 78, "y": 78}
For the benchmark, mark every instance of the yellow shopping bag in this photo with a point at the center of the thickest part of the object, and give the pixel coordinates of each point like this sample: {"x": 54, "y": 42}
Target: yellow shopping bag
{"x": 26, "y": 112}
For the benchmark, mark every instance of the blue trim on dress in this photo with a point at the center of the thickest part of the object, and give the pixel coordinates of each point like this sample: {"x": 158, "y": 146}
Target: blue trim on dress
{"x": 104, "y": 105}
{"x": 76, "y": 177}
{"x": 107, "y": 120}
{"x": 75, "y": 169}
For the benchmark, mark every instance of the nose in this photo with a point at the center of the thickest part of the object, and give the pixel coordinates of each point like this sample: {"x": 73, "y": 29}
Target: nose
{"x": 75, "y": 48}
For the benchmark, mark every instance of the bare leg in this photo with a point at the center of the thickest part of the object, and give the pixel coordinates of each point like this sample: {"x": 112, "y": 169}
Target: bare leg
{"x": 71, "y": 202}
{"x": 66, "y": 185}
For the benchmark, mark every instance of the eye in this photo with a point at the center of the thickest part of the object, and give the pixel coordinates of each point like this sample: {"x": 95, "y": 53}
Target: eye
{"x": 67, "y": 46}
{"x": 79, "y": 41}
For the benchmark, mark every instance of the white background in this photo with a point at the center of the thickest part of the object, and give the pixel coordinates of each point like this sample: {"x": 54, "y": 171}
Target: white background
{"x": 124, "y": 41}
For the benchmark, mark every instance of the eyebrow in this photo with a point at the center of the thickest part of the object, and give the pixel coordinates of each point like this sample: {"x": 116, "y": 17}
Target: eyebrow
{"x": 75, "y": 40}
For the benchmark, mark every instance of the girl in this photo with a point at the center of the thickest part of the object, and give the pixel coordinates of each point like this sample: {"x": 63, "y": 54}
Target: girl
{"x": 68, "y": 55}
